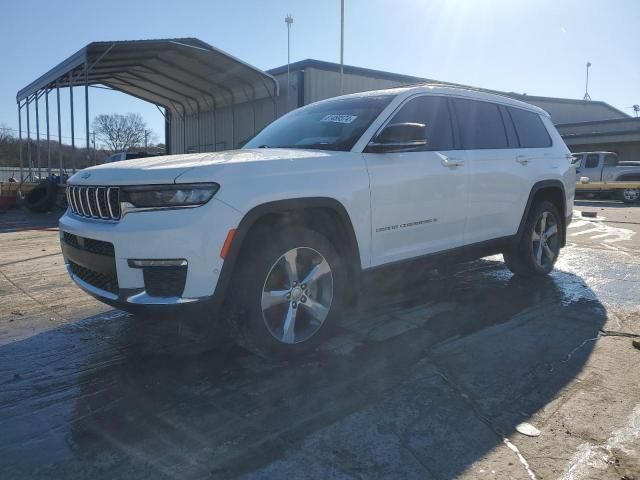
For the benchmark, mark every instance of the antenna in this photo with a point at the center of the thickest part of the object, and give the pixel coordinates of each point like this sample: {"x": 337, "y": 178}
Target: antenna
{"x": 586, "y": 88}
{"x": 288, "y": 20}
{"x": 636, "y": 109}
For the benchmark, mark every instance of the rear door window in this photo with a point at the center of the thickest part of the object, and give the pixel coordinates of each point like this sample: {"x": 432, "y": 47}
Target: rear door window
{"x": 479, "y": 124}
{"x": 531, "y": 131}
{"x": 433, "y": 112}
{"x": 592, "y": 160}
{"x": 610, "y": 160}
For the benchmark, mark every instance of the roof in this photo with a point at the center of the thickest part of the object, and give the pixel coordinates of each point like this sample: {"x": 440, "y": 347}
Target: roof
{"x": 348, "y": 69}
{"x": 168, "y": 72}
{"x": 572, "y": 101}
{"x": 619, "y": 126}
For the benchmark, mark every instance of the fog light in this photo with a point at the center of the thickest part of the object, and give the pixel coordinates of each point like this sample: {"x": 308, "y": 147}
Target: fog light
{"x": 169, "y": 262}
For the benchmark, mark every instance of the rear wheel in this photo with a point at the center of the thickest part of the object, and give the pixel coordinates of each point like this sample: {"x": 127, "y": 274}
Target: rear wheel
{"x": 287, "y": 291}
{"x": 539, "y": 246}
{"x": 630, "y": 195}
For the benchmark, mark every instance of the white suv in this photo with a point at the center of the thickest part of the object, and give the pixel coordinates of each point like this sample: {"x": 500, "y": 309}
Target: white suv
{"x": 286, "y": 228}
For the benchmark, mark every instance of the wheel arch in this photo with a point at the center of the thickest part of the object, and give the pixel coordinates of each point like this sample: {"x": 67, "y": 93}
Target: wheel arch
{"x": 308, "y": 210}
{"x": 553, "y": 191}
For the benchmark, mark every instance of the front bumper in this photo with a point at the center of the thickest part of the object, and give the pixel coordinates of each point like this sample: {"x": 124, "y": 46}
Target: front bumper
{"x": 193, "y": 234}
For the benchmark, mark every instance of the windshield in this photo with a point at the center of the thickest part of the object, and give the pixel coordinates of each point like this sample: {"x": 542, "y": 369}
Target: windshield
{"x": 329, "y": 125}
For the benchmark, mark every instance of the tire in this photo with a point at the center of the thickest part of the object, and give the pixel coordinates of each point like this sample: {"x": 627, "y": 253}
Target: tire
{"x": 630, "y": 196}
{"x": 529, "y": 257}
{"x": 43, "y": 197}
{"x": 274, "y": 313}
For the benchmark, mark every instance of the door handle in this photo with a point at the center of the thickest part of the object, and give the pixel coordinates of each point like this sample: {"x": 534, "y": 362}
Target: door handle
{"x": 522, "y": 160}
{"x": 449, "y": 162}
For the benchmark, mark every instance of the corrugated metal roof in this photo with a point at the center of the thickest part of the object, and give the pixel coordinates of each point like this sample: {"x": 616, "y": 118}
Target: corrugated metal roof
{"x": 180, "y": 74}
{"x": 348, "y": 69}
{"x": 572, "y": 101}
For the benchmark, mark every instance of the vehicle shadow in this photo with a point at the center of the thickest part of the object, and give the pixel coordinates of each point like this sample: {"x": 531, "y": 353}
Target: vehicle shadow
{"x": 84, "y": 401}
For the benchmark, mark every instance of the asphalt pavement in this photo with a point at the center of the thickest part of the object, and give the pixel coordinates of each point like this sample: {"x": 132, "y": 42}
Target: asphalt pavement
{"x": 430, "y": 377}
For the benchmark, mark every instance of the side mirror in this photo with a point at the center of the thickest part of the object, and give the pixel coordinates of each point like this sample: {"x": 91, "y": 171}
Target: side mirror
{"x": 399, "y": 136}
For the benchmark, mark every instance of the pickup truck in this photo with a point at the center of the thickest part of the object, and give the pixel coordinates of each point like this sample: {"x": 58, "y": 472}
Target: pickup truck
{"x": 604, "y": 167}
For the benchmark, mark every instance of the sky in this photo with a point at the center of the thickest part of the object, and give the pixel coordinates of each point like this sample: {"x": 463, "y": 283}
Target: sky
{"x": 538, "y": 47}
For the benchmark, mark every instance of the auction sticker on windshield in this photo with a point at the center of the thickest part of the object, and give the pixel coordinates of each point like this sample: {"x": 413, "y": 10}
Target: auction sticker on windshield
{"x": 339, "y": 118}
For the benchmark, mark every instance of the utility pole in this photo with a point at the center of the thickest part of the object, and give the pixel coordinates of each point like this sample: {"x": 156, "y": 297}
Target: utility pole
{"x": 288, "y": 20}
{"x": 586, "y": 88}
{"x": 341, "y": 47}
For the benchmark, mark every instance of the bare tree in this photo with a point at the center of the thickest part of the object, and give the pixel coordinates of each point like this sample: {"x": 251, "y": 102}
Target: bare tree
{"x": 5, "y": 134}
{"x": 120, "y": 132}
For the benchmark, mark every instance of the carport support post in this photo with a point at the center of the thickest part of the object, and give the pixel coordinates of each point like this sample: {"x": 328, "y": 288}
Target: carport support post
{"x": 46, "y": 103}
{"x": 73, "y": 139}
{"x": 215, "y": 129}
{"x": 61, "y": 160}
{"x": 184, "y": 129}
{"x": 20, "y": 139}
{"x": 28, "y": 139}
{"x": 86, "y": 111}
{"x": 198, "y": 127}
{"x": 38, "y": 138}
{"x": 233, "y": 126}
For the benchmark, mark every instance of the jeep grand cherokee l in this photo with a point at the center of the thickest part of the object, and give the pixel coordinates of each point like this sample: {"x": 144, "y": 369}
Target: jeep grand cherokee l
{"x": 286, "y": 228}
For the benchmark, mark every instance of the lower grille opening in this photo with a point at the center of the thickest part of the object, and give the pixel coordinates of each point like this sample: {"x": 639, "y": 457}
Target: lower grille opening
{"x": 108, "y": 283}
{"x": 90, "y": 245}
{"x": 164, "y": 281}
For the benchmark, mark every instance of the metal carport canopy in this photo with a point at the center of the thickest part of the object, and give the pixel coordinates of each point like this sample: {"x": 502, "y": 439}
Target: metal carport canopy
{"x": 180, "y": 74}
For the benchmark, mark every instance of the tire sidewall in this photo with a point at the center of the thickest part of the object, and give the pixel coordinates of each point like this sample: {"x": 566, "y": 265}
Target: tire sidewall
{"x": 263, "y": 250}
{"x": 526, "y": 244}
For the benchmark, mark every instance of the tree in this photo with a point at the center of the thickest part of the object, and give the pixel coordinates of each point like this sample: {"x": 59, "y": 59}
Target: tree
{"x": 120, "y": 132}
{"x": 5, "y": 135}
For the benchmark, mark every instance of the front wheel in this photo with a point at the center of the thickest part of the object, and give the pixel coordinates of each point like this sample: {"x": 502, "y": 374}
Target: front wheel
{"x": 288, "y": 289}
{"x": 630, "y": 195}
{"x": 538, "y": 248}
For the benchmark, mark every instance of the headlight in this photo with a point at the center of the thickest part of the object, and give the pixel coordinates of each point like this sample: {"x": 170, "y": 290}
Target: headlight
{"x": 167, "y": 196}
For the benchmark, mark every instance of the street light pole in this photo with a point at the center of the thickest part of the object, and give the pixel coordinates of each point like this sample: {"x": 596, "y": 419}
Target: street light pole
{"x": 586, "y": 88}
{"x": 341, "y": 47}
{"x": 288, "y": 20}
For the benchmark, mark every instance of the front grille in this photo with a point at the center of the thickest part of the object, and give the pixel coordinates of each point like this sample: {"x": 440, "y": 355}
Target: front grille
{"x": 164, "y": 281}
{"x": 108, "y": 283}
{"x": 89, "y": 244}
{"x": 102, "y": 203}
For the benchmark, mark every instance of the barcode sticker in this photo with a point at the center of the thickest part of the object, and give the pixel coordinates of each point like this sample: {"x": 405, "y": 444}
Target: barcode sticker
{"x": 339, "y": 118}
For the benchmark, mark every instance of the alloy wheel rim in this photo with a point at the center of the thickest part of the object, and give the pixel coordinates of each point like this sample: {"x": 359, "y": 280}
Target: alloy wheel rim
{"x": 544, "y": 240}
{"x": 631, "y": 194}
{"x": 297, "y": 295}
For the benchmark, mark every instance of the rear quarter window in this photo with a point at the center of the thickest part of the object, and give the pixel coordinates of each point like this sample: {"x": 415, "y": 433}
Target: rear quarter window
{"x": 530, "y": 130}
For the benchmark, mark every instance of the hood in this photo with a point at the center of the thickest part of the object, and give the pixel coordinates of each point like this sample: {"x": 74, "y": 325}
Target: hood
{"x": 168, "y": 168}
